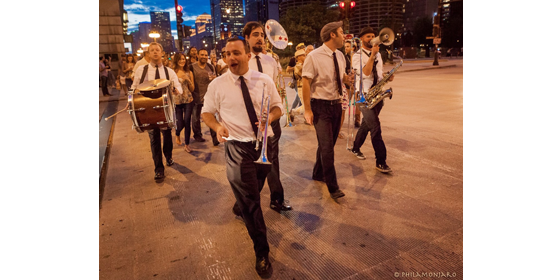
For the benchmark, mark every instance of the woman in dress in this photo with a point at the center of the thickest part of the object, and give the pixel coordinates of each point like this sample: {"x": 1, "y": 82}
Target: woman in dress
{"x": 183, "y": 102}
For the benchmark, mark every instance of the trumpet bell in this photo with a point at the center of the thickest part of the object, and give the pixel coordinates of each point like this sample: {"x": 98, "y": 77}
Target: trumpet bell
{"x": 386, "y": 37}
{"x": 276, "y": 34}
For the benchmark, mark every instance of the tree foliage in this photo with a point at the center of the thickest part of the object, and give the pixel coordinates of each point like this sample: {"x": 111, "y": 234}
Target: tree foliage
{"x": 303, "y": 24}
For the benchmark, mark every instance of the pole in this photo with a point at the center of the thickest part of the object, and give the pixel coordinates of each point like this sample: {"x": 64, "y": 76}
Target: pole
{"x": 437, "y": 35}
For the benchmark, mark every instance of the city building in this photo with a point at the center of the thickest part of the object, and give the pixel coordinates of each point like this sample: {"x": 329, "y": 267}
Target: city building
{"x": 202, "y": 33}
{"x": 162, "y": 25}
{"x": 416, "y": 9}
{"x": 262, "y": 10}
{"x": 111, "y": 37}
{"x": 228, "y": 19}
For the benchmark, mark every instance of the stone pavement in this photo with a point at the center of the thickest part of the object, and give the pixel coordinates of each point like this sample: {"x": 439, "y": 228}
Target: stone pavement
{"x": 386, "y": 227}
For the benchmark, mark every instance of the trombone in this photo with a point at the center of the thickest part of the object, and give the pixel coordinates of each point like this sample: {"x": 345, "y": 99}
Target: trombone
{"x": 262, "y": 136}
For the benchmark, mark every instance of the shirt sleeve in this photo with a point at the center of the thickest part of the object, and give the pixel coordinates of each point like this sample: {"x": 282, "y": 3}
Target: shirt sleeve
{"x": 308, "y": 70}
{"x": 175, "y": 80}
{"x": 210, "y": 102}
{"x": 137, "y": 76}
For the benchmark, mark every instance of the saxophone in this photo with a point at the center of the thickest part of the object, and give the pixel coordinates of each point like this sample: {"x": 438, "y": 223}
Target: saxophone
{"x": 376, "y": 93}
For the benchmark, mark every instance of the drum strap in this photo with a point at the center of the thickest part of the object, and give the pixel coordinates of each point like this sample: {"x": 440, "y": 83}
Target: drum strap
{"x": 145, "y": 71}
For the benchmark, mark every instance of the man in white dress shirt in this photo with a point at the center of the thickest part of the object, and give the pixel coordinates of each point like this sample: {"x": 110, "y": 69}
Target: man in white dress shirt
{"x": 237, "y": 96}
{"x": 323, "y": 75}
{"x": 254, "y": 35}
{"x": 153, "y": 71}
{"x": 372, "y": 67}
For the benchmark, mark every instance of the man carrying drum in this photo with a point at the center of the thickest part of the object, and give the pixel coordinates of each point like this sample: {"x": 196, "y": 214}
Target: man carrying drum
{"x": 154, "y": 71}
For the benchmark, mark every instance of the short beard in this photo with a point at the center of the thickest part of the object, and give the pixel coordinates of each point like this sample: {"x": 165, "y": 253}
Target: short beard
{"x": 257, "y": 49}
{"x": 368, "y": 45}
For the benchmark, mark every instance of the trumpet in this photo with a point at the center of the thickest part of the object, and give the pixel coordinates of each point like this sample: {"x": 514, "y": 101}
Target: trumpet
{"x": 262, "y": 136}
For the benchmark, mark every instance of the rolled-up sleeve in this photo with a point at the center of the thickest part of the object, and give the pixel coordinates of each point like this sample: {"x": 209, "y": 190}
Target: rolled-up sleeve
{"x": 308, "y": 69}
{"x": 210, "y": 102}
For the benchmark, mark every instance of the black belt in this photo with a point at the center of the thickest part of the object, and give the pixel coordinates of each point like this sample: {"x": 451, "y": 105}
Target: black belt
{"x": 328, "y": 102}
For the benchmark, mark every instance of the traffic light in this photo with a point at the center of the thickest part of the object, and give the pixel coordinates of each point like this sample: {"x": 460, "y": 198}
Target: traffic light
{"x": 351, "y": 8}
{"x": 179, "y": 14}
{"x": 346, "y": 8}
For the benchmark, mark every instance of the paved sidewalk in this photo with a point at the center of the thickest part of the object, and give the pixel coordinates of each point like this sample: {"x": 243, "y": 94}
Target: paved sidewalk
{"x": 386, "y": 227}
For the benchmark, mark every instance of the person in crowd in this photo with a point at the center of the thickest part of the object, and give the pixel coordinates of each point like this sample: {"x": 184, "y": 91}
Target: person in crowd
{"x": 372, "y": 67}
{"x": 203, "y": 73}
{"x": 323, "y": 75}
{"x": 183, "y": 102}
{"x": 104, "y": 73}
{"x": 222, "y": 64}
{"x": 253, "y": 32}
{"x": 192, "y": 55}
{"x": 297, "y": 69}
{"x": 237, "y": 97}
{"x": 154, "y": 71}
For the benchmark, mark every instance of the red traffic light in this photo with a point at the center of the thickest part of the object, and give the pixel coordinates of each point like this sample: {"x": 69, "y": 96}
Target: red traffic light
{"x": 341, "y": 4}
{"x": 352, "y": 4}
{"x": 179, "y": 8}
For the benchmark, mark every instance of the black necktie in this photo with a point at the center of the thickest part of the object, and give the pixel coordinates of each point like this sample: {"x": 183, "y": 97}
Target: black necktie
{"x": 249, "y": 105}
{"x": 259, "y": 63}
{"x": 157, "y": 72}
{"x": 337, "y": 73}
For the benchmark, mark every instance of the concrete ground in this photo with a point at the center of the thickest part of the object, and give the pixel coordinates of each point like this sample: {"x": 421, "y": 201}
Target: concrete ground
{"x": 404, "y": 225}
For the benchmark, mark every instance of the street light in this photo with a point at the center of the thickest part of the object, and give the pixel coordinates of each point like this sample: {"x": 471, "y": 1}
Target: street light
{"x": 290, "y": 44}
{"x": 154, "y": 35}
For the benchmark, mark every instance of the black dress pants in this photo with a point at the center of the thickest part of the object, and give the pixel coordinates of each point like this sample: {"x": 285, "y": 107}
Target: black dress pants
{"x": 247, "y": 180}
{"x": 326, "y": 119}
{"x": 371, "y": 124}
{"x": 276, "y": 189}
{"x": 155, "y": 144}
{"x": 104, "y": 86}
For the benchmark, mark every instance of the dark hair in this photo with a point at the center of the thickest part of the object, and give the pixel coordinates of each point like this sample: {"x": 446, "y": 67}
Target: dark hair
{"x": 201, "y": 50}
{"x": 175, "y": 62}
{"x": 189, "y": 53}
{"x": 239, "y": 38}
{"x": 250, "y": 26}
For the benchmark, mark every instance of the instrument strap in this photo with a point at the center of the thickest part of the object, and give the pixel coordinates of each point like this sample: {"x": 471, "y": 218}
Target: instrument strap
{"x": 145, "y": 71}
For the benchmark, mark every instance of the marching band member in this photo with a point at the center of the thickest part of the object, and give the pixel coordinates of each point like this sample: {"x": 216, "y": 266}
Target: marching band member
{"x": 372, "y": 67}
{"x": 238, "y": 88}
{"x": 323, "y": 75}
{"x": 254, "y": 35}
{"x": 153, "y": 71}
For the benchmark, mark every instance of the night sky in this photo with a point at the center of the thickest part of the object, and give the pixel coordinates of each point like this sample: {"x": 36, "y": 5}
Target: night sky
{"x": 139, "y": 11}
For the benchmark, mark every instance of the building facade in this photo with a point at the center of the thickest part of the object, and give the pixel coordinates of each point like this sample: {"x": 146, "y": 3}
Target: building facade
{"x": 415, "y": 9}
{"x": 111, "y": 38}
{"x": 227, "y": 18}
{"x": 202, "y": 33}
{"x": 162, "y": 25}
{"x": 262, "y": 10}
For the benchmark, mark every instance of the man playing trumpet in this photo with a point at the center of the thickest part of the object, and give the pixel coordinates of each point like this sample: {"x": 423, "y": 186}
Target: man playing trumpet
{"x": 237, "y": 97}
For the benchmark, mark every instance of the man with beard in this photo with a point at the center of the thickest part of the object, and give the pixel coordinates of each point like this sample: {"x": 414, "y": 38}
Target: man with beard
{"x": 254, "y": 35}
{"x": 237, "y": 97}
{"x": 203, "y": 74}
{"x": 372, "y": 67}
{"x": 323, "y": 75}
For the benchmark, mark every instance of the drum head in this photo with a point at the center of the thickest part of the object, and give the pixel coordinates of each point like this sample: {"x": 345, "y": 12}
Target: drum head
{"x": 153, "y": 85}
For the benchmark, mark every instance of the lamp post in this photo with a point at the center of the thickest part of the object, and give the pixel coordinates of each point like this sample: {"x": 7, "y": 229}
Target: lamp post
{"x": 290, "y": 44}
{"x": 154, "y": 35}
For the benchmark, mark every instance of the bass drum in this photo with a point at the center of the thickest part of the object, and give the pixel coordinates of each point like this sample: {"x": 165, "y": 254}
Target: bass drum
{"x": 153, "y": 107}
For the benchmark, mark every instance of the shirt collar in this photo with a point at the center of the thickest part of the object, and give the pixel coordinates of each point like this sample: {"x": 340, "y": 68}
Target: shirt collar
{"x": 154, "y": 65}
{"x": 247, "y": 76}
{"x": 366, "y": 52}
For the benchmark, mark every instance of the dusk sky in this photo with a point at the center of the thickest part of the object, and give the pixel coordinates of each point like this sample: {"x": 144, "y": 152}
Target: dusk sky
{"x": 139, "y": 11}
